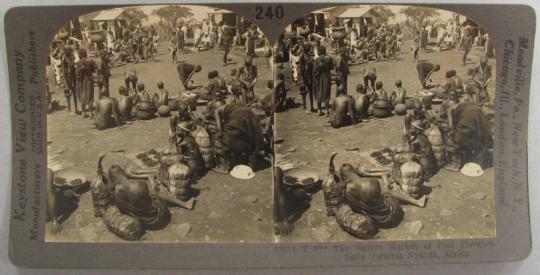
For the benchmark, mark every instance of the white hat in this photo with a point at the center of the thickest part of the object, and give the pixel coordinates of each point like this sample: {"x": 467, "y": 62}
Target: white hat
{"x": 242, "y": 172}
{"x": 472, "y": 169}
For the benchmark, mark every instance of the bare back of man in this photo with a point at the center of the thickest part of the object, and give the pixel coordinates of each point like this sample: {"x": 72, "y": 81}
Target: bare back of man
{"x": 107, "y": 114}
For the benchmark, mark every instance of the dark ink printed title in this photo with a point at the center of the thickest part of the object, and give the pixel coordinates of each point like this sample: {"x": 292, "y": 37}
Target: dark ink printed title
{"x": 28, "y": 132}
{"x": 398, "y": 251}
{"x": 510, "y": 128}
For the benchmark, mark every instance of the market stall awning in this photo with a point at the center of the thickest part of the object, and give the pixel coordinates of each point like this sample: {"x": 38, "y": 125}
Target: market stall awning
{"x": 356, "y": 12}
{"x": 109, "y": 15}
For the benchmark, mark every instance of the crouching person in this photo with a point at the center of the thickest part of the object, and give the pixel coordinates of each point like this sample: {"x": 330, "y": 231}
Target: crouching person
{"x": 240, "y": 137}
{"x": 469, "y": 138}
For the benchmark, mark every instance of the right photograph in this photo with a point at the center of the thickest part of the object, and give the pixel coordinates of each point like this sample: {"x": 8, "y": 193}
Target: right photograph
{"x": 384, "y": 126}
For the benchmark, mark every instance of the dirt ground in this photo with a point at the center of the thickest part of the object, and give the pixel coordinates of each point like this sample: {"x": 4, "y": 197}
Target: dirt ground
{"x": 227, "y": 209}
{"x": 458, "y": 206}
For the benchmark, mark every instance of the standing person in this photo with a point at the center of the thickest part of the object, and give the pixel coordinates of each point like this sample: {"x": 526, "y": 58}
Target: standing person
{"x": 342, "y": 69}
{"x": 472, "y": 88}
{"x": 103, "y": 71}
{"x": 173, "y": 47}
{"x": 71, "y": 78}
{"x": 466, "y": 44}
{"x": 280, "y": 92}
{"x": 226, "y": 42}
{"x": 248, "y": 77}
{"x": 415, "y": 47}
{"x": 323, "y": 67}
{"x": 482, "y": 74}
{"x": 424, "y": 39}
{"x": 84, "y": 71}
{"x": 250, "y": 36}
{"x": 186, "y": 72}
{"x": 180, "y": 40}
{"x": 197, "y": 36}
{"x": 306, "y": 69}
{"x": 425, "y": 70}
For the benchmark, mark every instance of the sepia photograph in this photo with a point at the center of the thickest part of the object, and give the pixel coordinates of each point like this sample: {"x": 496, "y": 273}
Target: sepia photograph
{"x": 384, "y": 124}
{"x": 159, "y": 127}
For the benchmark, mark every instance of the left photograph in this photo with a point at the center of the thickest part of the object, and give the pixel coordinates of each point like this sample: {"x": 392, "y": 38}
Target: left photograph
{"x": 159, "y": 127}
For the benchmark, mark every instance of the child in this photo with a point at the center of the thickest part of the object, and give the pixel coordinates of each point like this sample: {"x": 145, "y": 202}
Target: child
{"x": 235, "y": 87}
{"x": 472, "y": 87}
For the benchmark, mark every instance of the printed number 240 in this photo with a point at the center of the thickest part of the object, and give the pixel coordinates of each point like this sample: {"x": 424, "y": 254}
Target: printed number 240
{"x": 269, "y": 12}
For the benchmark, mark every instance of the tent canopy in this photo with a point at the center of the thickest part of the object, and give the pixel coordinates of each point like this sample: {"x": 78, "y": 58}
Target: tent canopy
{"x": 357, "y": 12}
{"x": 110, "y": 15}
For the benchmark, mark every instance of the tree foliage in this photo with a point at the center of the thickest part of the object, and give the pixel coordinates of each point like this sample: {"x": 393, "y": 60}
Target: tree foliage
{"x": 172, "y": 13}
{"x": 419, "y": 14}
{"x": 136, "y": 14}
{"x": 384, "y": 13}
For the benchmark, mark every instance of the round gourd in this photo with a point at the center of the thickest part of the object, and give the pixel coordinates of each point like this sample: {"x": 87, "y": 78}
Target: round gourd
{"x": 400, "y": 109}
{"x": 164, "y": 110}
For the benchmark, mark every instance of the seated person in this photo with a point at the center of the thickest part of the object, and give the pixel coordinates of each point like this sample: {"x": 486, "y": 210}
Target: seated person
{"x": 106, "y": 111}
{"x": 342, "y": 110}
{"x": 380, "y": 93}
{"x": 361, "y": 102}
{"x": 137, "y": 196}
{"x": 398, "y": 96}
{"x": 162, "y": 95}
{"x": 375, "y": 198}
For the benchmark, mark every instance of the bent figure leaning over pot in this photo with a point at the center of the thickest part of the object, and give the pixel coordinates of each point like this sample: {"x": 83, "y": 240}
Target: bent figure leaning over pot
{"x": 240, "y": 135}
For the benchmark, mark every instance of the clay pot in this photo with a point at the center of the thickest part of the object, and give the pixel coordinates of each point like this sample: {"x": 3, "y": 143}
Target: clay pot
{"x": 339, "y": 33}
{"x": 427, "y": 98}
{"x": 191, "y": 99}
{"x": 164, "y": 110}
{"x": 145, "y": 111}
{"x": 173, "y": 104}
{"x": 381, "y": 108}
{"x": 409, "y": 103}
{"x": 97, "y": 36}
{"x": 400, "y": 109}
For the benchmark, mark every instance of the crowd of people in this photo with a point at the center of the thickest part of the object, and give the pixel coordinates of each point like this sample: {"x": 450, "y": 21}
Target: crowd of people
{"x": 446, "y": 125}
{"x": 216, "y": 125}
